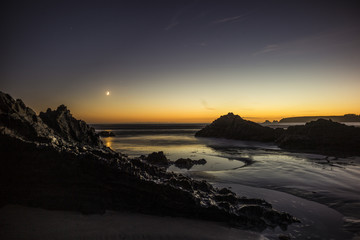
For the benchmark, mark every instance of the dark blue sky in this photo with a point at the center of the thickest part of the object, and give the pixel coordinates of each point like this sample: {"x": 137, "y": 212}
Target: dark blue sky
{"x": 63, "y": 50}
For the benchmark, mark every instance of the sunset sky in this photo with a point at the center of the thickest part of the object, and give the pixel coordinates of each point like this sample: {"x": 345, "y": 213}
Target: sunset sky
{"x": 183, "y": 61}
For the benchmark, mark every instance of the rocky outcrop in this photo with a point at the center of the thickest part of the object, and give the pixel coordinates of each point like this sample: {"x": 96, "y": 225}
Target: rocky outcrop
{"x": 19, "y": 121}
{"x": 188, "y": 163}
{"x": 323, "y": 136}
{"x": 157, "y": 158}
{"x": 75, "y": 172}
{"x": 69, "y": 128}
{"x": 234, "y": 127}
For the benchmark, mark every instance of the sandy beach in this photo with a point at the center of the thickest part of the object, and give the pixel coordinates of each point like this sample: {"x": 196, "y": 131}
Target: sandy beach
{"x": 20, "y": 223}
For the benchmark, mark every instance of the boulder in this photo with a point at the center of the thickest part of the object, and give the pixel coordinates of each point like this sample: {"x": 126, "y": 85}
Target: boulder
{"x": 158, "y": 158}
{"x": 187, "y": 163}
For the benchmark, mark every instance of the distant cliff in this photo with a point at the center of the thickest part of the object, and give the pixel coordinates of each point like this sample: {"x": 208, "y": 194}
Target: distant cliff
{"x": 320, "y": 136}
{"x": 345, "y": 118}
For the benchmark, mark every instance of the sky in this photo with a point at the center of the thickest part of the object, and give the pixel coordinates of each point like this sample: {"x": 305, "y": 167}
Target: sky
{"x": 182, "y": 61}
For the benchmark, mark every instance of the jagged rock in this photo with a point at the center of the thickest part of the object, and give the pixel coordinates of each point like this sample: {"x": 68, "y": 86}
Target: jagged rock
{"x": 20, "y": 121}
{"x": 188, "y": 163}
{"x": 106, "y": 134}
{"x": 234, "y": 127}
{"x": 91, "y": 178}
{"x": 69, "y": 128}
{"x": 323, "y": 136}
{"x": 158, "y": 158}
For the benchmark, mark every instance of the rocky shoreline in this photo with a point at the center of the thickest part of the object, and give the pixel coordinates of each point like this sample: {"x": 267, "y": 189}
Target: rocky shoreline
{"x": 54, "y": 161}
{"x": 320, "y": 136}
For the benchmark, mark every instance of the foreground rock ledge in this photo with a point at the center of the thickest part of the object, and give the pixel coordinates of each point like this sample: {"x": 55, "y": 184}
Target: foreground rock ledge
{"x": 57, "y": 162}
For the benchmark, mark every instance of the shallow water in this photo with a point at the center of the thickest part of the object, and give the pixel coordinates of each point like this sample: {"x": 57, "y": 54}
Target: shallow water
{"x": 261, "y": 170}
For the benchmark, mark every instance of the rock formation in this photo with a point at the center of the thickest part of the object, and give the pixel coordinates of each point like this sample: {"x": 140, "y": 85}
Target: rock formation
{"x": 69, "y": 128}
{"x": 157, "y": 158}
{"x": 234, "y": 127}
{"x": 321, "y": 136}
{"x": 57, "y": 162}
{"x": 188, "y": 163}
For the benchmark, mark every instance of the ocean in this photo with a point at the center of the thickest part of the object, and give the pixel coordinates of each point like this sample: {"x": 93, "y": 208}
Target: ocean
{"x": 322, "y": 191}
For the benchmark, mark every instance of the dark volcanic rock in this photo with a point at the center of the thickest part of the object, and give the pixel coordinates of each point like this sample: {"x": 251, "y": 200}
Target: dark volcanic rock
{"x": 158, "y": 158}
{"x": 74, "y": 172}
{"x": 106, "y": 134}
{"x": 323, "y": 136}
{"x": 234, "y": 127}
{"x": 69, "y": 128}
{"x": 188, "y": 163}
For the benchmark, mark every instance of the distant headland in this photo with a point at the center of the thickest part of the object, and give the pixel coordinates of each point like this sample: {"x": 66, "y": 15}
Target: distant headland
{"x": 344, "y": 118}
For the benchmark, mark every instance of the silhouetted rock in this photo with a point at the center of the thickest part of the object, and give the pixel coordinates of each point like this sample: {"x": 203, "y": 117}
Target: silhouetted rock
{"x": 158, "y": 158}
{"x": 188, "y": 163}
{"x": 345, "y": 118}
{"x": 323, "y": 136}
{"x": 20, "y": 121}
{"x": 267, "y": 121}
{"x": 69, "y": 128}
{"x": 234, "y": 127}
{"x": 65, "y": 167}
{"x": 106, "y": 134}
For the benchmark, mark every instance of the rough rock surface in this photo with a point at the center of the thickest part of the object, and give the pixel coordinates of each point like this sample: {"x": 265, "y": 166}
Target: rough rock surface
{"x": 234, "y": 127}
{"x": 69, "y": 128}
{"x": 188, "y": 163}
{"x": 56, "y": 168}
{"x": 324, "y": 136}
{"x": 158, "y": 158}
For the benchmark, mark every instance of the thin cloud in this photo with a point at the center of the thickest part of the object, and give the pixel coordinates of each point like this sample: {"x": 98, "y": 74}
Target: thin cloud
{"x": 171, "y": 25}
{"x": 231, "y": 19}
{"x": 206, "y": 106}
{"x": 267, "y": 49}
{"x": 313, "y": 44}
{"x": 175, "y": 19}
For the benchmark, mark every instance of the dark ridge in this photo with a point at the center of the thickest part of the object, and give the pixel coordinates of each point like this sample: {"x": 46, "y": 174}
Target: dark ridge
{"x": 345, "y": 118}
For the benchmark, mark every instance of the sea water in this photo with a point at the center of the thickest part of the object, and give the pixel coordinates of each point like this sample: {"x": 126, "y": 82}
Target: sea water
{"x": 322, "y": 191}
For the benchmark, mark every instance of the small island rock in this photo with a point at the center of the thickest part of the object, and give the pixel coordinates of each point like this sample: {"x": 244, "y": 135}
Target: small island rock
{"x": 188, "y": 163}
